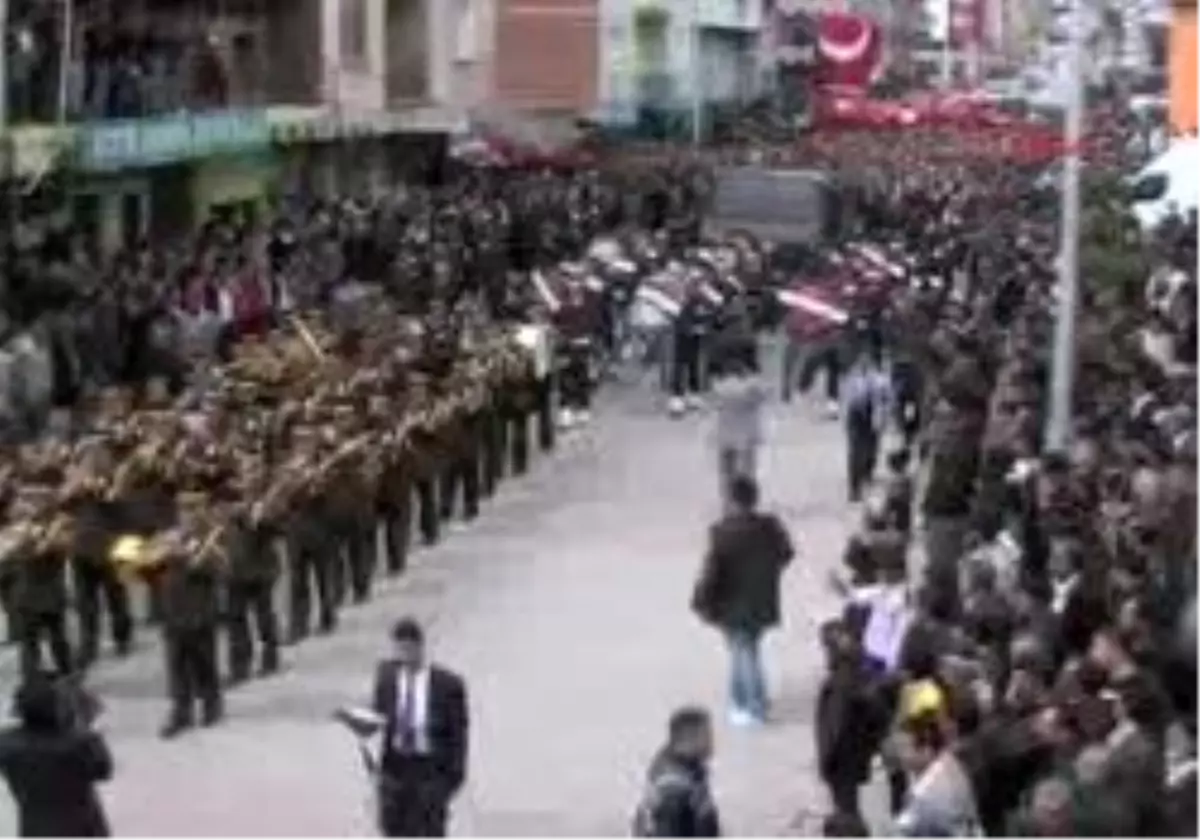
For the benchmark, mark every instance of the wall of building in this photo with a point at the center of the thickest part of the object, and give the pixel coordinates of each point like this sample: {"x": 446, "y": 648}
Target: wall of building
{"x": 1182, "y": 58}
{"x": 354, "y": 81}
{"x": 547, "y": 55}
{"x": 649, "y": 52}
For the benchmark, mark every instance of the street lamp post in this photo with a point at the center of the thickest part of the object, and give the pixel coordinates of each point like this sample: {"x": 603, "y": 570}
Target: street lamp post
{"x": 1058, "y": 426}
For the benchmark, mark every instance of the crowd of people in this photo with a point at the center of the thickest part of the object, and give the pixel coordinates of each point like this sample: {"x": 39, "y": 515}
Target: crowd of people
{"x": 1016, "y": 643}
{"x": 1014, "y": 651}
{"x": 1016, "y": 655}
{"x": 252, "y": 369}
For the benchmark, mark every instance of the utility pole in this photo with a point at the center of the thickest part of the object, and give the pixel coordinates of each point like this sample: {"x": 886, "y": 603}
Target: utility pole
{"x": 1058, "y": 425}
{"x": 697, "y": 79}
{"x": 7, "y": 170}
{"x": 947, "y": 55}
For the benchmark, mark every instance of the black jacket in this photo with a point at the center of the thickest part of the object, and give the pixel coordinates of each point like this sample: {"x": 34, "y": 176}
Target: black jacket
{"x": 677, "y": 801}
{"x": 448, "y": 724}
{"x": 52, "y": 777}
{"x": 739, "y": 583}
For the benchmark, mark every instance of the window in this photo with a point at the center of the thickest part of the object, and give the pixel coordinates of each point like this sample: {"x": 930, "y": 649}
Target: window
{"x": 466, "y": 30}
{"x": 352, "y": 33}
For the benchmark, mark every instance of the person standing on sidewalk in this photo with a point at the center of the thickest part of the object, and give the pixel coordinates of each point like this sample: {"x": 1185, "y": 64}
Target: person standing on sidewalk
{"x": 677, "y": 801}
{"x": 738, "y": 592}
{"x": 866, "y": 394}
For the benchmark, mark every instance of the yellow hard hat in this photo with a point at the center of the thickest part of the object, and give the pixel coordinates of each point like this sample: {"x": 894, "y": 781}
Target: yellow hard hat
{"x": 923, "y": 697}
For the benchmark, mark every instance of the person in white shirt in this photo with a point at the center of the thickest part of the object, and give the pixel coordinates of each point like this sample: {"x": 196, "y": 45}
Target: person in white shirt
{"x": 426, "y": 723}
{"x": 739, "y": 397}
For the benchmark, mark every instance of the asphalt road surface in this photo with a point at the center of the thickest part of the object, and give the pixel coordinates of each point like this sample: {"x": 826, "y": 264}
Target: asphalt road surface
{"x": 566, "y": 607}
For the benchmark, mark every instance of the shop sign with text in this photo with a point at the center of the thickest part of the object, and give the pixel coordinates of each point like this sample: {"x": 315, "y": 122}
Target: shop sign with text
{"x": 123, "y": 144}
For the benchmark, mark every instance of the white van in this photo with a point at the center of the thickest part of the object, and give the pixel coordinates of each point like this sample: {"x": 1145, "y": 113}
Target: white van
{"x": 1171, "y": 180}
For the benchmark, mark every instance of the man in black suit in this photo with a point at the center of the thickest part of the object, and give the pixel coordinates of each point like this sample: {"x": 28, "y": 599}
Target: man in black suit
{"x": 52, "y": 765}
{"x": 424, "y": 757}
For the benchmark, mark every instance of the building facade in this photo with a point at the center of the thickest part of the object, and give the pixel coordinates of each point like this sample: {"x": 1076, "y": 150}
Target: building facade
{"x": 667, "y": 54}
{"x": 157, "y": 114}
{"x": 546, "y": 57}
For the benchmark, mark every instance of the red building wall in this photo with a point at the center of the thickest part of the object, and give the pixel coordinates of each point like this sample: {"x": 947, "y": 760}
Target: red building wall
{"x": 547, "y": 54}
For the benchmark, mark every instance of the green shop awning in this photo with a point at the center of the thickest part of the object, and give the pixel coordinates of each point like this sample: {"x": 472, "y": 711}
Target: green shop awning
{"x": 289, "y": 126}
{"x": 113, "y": 145}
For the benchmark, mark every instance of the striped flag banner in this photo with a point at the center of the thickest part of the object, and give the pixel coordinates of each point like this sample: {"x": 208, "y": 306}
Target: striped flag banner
{"x": 880, "y": 260}
{"x": 813, "y": 306}
{"x": 542, "y": 287}
{"x": 712, "y": 294}
{"x": 660, "y": 300}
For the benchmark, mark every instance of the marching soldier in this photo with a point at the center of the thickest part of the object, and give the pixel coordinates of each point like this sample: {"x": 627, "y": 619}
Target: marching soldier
{"x": 188, "y": 585}
{"x": 349, "y": 512}
{"x": 95, "y": 577}
{"x": 310, "y": 549}
{"x": 394, "y": 491}
{"x": 39, "y": 584}
{"x": 462, "y": 435}
{"x": 428, "y": 455}
{"x": 252, "y": 574}
{"x": 578, "y": 322}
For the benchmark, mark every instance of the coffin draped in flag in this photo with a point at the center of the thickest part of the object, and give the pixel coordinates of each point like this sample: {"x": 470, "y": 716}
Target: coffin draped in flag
{"x": 659, "y": 300}
{"x": 550, "y": 288}
{"x": 814, "y": 312}
{"x": 881, "y": 258}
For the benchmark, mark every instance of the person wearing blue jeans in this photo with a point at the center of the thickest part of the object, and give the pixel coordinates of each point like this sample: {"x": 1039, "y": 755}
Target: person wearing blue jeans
{"x": 737, "y": 592}
{"x": 747, "y": 684}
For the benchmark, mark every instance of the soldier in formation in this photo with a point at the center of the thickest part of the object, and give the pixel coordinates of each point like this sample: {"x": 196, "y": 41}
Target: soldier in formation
{"x": 291, "y": 460}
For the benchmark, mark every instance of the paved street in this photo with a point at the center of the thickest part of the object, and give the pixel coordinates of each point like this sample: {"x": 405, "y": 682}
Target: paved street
{"x": 566, "y": 606}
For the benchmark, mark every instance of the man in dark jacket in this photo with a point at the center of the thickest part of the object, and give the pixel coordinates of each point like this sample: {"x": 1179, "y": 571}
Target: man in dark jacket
{"x": 738, "y": 592}
{"x": 677, "y": 801}
{"x": 52, "y": 767}
{"x": 851, "y": 720}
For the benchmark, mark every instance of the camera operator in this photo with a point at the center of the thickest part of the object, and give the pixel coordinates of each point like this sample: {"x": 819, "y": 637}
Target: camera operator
{"x": 52, "y": 760}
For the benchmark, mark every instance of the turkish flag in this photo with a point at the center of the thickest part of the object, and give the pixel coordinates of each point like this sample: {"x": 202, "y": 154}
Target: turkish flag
{"x": 849, "y": 49}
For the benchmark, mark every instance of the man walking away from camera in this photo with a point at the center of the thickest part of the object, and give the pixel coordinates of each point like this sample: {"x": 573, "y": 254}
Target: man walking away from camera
{"x": 738, "y": 592}
{"x": 739, "y": 399}
{"x": 424, "y": 760}
{"x": 52, "y": 765}
{"x": 677, "y": 801}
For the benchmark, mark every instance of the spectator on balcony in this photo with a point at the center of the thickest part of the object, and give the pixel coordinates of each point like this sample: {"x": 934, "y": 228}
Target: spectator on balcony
{"x": 209, "y": 81}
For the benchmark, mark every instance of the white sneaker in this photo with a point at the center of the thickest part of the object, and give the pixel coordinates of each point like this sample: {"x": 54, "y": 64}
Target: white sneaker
{"x": 694, "y": 402}
{"x": 676, "y": 407}
{"x": 566, "y": 418}
{"x": 832, "y": 409}
{"x": 741, "y": 719}
{"x": 583, "y": 418}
